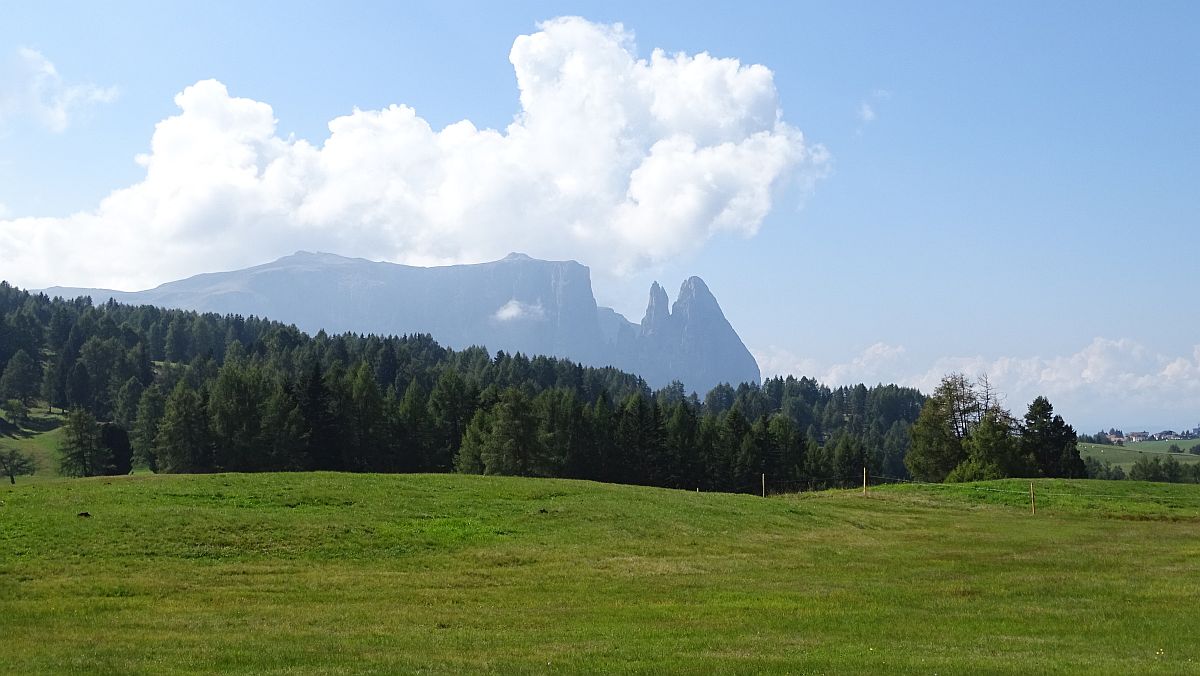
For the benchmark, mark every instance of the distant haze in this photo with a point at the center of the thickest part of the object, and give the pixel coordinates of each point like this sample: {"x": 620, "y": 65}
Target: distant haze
{"x": 517, "y": 304}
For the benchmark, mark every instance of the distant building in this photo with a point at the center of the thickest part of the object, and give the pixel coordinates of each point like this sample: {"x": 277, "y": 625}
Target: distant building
{"x": 1137, "y": 436}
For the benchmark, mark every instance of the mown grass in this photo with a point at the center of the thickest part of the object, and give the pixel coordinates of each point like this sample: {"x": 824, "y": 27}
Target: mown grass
{"x": 335, "y": 573}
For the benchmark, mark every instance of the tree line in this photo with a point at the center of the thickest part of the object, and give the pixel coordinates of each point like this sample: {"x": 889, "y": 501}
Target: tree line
{"x": 963, "y": 433}
{"x": 180, "y": 391}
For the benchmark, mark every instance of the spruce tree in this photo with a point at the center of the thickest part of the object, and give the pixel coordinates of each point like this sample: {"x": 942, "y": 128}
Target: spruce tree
{"x": 1050, "y": 442}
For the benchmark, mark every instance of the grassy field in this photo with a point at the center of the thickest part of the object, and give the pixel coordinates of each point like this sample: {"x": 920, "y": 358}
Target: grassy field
{"x": 336, "y": 573}
{"x": 1162, "y": 446}
{"x": 38, "y": 438}
{"x": 1126, "y": 455}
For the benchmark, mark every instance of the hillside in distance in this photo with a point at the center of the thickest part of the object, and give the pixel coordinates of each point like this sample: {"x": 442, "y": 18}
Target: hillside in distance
{"x": 516, "y": 304}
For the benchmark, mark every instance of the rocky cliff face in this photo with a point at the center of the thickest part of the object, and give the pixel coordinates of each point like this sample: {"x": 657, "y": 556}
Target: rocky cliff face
{"x": 693, "y": 337}
{"x": 516, "y": 304}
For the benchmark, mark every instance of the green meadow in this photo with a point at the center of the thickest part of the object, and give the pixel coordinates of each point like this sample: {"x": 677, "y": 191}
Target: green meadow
{"x": 38, "y": 438}
{"x": 341, "y": 573}
{"x": 1126, "y": 455}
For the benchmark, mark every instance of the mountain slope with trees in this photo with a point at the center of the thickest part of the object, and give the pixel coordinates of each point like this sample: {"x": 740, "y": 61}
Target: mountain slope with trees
{"x": 180, "y": 391}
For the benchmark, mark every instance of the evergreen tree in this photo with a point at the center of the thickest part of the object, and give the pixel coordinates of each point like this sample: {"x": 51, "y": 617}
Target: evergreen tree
{"x": 450, "y": 410}
{"x": 469, "y": 459}
{"x": 235, "y": 410}
{"x": 993, "y": 451}
{"x": 789, "y": 449}
{"x": 82, "y": 453}
{"x": 315, "y": 406}
{"x": 284, "y": 433}
{"x": 177, "y": 340}
{"x": 680, "y": 429}
{"x": 387, "y": 367}
{"x": 54, "y": 384}
{"x": 512, "y": 446}
{"x": 126, "y": 406}
{"x": 182, "y": 444}
{"x": 117, "y": 448}
{"x": 1050, "y": 442}
{"x": 750, "y": 462}
{"x": 22, "y": 379}
{"x": 849, "y": 459}
{"x": 150, "y": 410}
{"x": 79, "y": 387}
{"x": 416, "y": 429}
{"x": 367, "y": 432}
{"x": 599, "y": 460}
{"x": 940, "y": 430}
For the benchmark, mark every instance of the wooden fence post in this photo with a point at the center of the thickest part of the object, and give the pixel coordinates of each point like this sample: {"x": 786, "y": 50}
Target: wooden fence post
{"x": 864, "y": 480}
{"x": 764, "y": 484}
{"x": 1032, "y": 500}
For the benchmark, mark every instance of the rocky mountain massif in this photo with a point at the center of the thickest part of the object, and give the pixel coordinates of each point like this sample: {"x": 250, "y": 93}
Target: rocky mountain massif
{"x": 516, "y": 304}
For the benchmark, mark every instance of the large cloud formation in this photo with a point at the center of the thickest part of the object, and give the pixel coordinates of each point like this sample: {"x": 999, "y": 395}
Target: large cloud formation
{"x": 613, "y": 160}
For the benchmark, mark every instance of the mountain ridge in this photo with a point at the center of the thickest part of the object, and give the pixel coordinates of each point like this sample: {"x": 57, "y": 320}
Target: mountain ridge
{"x": 517, "y": 304}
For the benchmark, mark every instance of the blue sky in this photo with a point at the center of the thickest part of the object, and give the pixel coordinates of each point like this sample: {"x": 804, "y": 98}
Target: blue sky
{"x": 1010, "y": 187}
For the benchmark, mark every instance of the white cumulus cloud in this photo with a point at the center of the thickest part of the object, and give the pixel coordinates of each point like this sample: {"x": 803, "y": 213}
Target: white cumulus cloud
{"x": 30, "y": 86}
{"x": 612, "y": 159}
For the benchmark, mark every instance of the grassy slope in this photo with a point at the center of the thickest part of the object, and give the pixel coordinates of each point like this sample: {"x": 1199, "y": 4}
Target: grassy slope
{"x": 39, "y": 438}
{"x": 1162, "y": 446}
{"x": 1125, "y": 456}
{"x": 328, "y": 573}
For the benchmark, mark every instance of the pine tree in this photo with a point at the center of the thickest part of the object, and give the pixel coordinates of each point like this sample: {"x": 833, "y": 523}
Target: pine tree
{"x": 788, "y": 450}
{"x": 177, "y": 340}
{"x": 21, "y": 379}
{"x": 150, "y": 410}
{"x": 1050, "y": 442}
{"x": 182, "y": 444}
{"x": 53, "y": 384}
{"x": 941, "y": 429}
{"x": 414, "y": 423}
{"x": 469, "y": 459}
{"x": 236, "y": 400}
{"x": 512, "y": 447}
{"x": 79, "y": 387}
{"x": 679, "y": 442}
{"x": 315, "y": 406}
{"x": 751, "y": 459}
{"x": 126, "y": 405}
{"x": 284, "y": 432}
{"x": 450, "y": 410}
{"x": 82, "y": 453}
{"x": 368, "y": 427}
